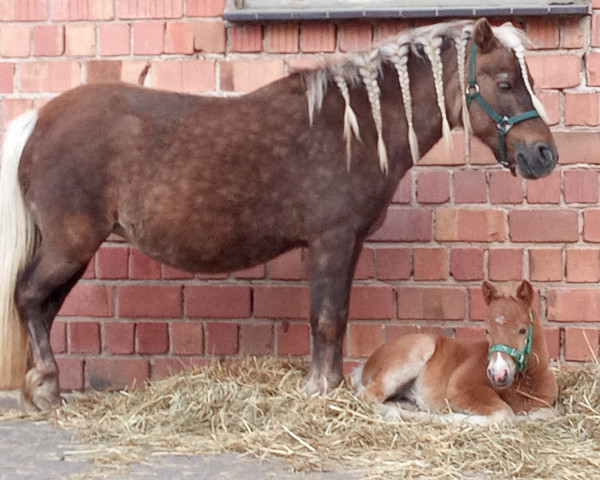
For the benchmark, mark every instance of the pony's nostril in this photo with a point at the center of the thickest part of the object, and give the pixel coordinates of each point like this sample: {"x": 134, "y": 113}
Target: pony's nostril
{"x": 546, "y": 154}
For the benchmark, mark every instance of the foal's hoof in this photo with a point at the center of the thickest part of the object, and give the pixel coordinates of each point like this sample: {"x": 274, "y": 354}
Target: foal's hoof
{"x": 319, "y": 383}
{"x": 40, "y": 390}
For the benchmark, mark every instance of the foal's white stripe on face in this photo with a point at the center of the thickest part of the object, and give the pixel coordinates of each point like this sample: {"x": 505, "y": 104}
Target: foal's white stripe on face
{"x": 500, "y": 320}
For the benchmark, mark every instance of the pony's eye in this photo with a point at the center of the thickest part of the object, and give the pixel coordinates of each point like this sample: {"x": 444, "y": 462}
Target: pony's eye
{"x": 504, "y": 86}
{"x": 523, "y": 331}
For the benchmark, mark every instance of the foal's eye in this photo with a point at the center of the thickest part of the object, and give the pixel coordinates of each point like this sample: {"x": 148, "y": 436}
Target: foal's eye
{"x": 487, "y": 332}
{"x": 523, "y": 331}
{"x": 504, "y": 86}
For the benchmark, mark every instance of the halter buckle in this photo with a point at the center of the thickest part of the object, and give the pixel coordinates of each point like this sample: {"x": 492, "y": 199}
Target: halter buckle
{"x": 504, "y": 124}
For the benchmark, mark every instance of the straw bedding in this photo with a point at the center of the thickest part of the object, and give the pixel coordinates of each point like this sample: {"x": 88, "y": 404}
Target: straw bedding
{"x": 257, "y": 407}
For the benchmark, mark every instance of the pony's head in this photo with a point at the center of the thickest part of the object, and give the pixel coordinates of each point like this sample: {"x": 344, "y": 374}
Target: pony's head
{"x": 504, "y": 111}
{"x": 509, "y": 330}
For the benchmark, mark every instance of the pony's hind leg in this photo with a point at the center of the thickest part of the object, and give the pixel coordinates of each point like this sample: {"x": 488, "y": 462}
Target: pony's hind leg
{"x": 41, "y": 289}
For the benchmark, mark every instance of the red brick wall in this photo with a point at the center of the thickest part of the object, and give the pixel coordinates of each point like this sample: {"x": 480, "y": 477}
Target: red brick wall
{"x": 451, "y": 224}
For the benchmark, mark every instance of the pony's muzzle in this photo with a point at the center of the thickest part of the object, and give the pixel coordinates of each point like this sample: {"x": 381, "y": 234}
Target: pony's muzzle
{"x": 536, "y": 161}
{"x": 500, "y": 372}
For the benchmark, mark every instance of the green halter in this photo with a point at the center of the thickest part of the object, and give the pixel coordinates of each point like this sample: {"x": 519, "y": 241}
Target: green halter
{"x": 503, "y": 123}
{"x": 521, "y": 358}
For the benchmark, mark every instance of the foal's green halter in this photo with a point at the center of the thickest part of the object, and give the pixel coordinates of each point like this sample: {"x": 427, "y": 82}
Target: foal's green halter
{"x": 521, "y": 357}
{"x": 503, "y": 123}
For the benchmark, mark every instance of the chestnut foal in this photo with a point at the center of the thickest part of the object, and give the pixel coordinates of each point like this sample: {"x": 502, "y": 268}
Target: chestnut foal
{"x": 436, "y": 373}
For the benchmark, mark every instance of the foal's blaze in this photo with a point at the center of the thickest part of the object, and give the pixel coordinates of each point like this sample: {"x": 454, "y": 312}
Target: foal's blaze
{"x": 434, "y": 372}
{"x": 218, "y": 184}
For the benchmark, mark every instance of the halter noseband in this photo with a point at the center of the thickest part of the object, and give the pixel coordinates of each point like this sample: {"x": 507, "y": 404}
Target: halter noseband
{"x": 503, "y": 123}
{"x": 521, "y": 357}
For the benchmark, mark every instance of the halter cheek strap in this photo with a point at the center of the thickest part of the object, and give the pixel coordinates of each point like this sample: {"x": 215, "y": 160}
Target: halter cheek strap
{"x": 503, "y": 123}
{"x": 521, "y": 357}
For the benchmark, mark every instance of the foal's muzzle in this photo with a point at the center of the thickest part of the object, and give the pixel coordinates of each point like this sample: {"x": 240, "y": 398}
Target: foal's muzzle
{"x": 537, "y": 160}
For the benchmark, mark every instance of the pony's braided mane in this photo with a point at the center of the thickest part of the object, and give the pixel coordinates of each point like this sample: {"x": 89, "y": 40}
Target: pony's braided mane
{"x": 365, "y": 68}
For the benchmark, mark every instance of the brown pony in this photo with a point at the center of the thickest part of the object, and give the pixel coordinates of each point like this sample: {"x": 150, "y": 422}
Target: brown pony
{"x": 436, "y": 373}
{"x": 216, "y": 184}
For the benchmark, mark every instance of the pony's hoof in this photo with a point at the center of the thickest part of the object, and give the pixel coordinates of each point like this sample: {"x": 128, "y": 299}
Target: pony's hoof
{"x": 319, "y": 383}
{"x": 40, "y": 390}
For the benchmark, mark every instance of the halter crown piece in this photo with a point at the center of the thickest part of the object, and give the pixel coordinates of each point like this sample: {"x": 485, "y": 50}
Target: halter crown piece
{"x": 503, "y": 123}
{"x": 521, "y": 357}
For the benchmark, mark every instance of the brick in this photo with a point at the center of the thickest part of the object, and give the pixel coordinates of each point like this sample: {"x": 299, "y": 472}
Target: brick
{"x": 317, "y": 37}
{"x": 58, "y": 337}
{"x": 405, "y": 225}
{"x": 392, "y": 332}
{"x": 553, "y": 342}
{"x": 13, "y": 107}
{"x": 403, "y": 193}
{"x": 170, "y": 273}
{"x": 256, "y": 339}
{"x": 543, "y": 32}
{"x": 15, "y": 40}
{"x": 222, "y": 338}
{"x": 595, "y": 30}
{"x": 475, "y": 334}
{"x": 551, "y": 101}
{"x": 80, "y": 40}
{"x": 90, "y": 270}
{"x": 440, "y": 155}
{"x": 433, "y": 186}
{"x": 84, "y": 337}
{"x": 184, "y": 75}
{"x": 356, "y": 36}
{"x": 114, "y": 39}
{"x": 143, "y": 9}
{"x": 217, "y": 301}
{"x": 116, "y": 373}
{"x": 83, "y": 10}
{"x": 55, "y": 76}
{"x": 470, "y": 186}
{"x": 70, "y": 373}
{"x": 118, "y": 338}
{"x": 430, "y": 264}
{"x": 581, "y": 344}
{"x": 112, "y": 262}
{"x": 282, "y": 38}
{"x": 505, "y": 188}
{"x": 142, "y": 267}
{"x": 288, "y": 266}
{"x": 152, "y": 337}
{"x": 364, "y": 339}
{"x": 481, "y": 154}
{"x": 277, "y": 301}
{"x": 566, "y": 305}
{"x": 371, "y": 302}
{"x": 187, "y": 338}
{"x": 477, "y": 306}
{"x": 581, "y": 108}
{"x": 166, "y": 366}
{"x": 23, "y": 10}
{"x": 544, "y": 190}
{"x": 454, "y": 225}
{"x": 466, "y": 264}
{"x": 135, "y": 71}
{"x": 386, "y": 29}
{"x": 148, "y": 38}
{"x": 543, "y": 225}
{"x": 293, "y": 339}
{"x": 505, "y": 264}
{"x": 365, "y": 266}
{"x": 592, "y": 68}
{"x": 545, "y": 264}
{"x": 417, "y": 303}
{"x": 581, "y": 186}
{"x": 89, "y": 300}
{"x": 179, "y": 37}
{"x": 205, "y": 8}
{"x": 149, "y": 301}
{"x": 578, "y": 147}
{"x": 591, "y": 225}
{"x": 244, "y": 75}
{"x": 210, "y": 36}
{"x": 48, "y": 40}
{"x": 573, "y": 32}
{"x": 7, "y": 73}
{"x": 252, "y": 273}
{"x": 103, "y": 71}
{"x": 583, "y": 265}
{"x": 393, "y": 263}
{"x": 555, "y": 70}
{"x": 245, "y": 38}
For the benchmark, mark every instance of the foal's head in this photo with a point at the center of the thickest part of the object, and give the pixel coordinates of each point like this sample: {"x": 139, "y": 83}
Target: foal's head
{"x": 504, "y": 111}
{"x": 509, "y": 329}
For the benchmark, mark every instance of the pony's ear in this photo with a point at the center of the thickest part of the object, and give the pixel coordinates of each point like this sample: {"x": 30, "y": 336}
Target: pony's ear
{"x": 525, "y": 293}
{"x": 483, "y": 36}
{"x": 489, "y": 292}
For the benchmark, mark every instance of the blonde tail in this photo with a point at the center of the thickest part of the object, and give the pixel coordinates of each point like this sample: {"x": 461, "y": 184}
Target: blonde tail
{"x": 17, "y": 244}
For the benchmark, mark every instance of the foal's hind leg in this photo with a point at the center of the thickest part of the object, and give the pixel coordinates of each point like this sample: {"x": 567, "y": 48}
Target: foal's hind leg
{"x": 40, "y": 291}
{"x": 332, "y": 261}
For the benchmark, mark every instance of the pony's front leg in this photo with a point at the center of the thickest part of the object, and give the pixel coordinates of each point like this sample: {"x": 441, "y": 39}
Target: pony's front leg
{"x": 332, "y": 261}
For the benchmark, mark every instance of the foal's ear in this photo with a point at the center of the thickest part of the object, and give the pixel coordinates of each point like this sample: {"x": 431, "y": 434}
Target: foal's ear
{"x": 525, "y": 293}
{"x": 483, "y": 36}
{"x": 489, "y": 292}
